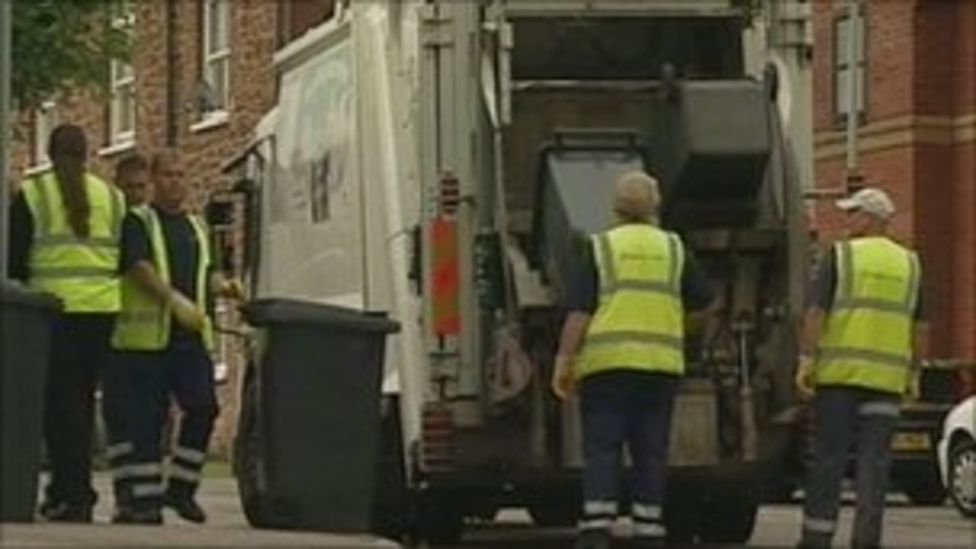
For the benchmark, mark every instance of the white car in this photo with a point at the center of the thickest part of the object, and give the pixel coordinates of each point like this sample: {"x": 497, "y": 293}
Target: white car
{"x": 957, "y": 456}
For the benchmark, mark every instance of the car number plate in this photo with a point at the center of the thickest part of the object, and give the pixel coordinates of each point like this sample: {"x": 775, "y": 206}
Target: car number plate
{"x": 910, "y": 441}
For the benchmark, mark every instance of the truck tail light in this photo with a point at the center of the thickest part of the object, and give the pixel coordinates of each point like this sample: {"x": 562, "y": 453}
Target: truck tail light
{"x": 437, "y": 438}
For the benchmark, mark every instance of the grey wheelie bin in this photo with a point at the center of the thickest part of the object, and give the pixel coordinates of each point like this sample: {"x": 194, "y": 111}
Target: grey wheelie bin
{"x": 308, "y": 433}
{"x": 26, "y": 322}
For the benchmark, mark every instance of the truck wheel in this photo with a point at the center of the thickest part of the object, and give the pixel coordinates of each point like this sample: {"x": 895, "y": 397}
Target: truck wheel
{"x": 922, "y": 485}
{"x": 962, "y": 477}
{"x": 440, "y": 521}
{"x": 554, "y": 514}
{"x": 730, "y": 515}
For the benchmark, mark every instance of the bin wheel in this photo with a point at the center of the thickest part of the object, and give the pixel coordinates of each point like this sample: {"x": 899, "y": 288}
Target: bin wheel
{"x": 259, "y": 510}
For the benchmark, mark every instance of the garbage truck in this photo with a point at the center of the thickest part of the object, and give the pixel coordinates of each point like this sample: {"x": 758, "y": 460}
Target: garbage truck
{"x": 445, "y": 161}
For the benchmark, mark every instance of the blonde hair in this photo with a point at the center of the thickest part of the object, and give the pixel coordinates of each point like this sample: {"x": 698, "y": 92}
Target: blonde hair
{"x": 636, "y": 198}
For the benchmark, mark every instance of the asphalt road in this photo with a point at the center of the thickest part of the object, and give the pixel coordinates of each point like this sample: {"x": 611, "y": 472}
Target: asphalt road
{"x": 777, "y": 526}
{"x": 907, "y": 526}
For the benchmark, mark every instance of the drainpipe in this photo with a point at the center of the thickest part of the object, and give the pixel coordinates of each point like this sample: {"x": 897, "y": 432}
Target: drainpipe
{"x": 5, "y": 60}
{"x": 172, "y": 95}
{"x": 853, "y": 113}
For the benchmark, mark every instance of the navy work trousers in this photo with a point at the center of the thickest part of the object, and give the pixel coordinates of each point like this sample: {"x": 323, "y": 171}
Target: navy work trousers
{"x": 183, "y": 371}
{"x": 626, "y": 408}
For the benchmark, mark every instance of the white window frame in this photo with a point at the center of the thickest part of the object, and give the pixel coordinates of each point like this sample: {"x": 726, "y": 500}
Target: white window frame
{"x": 45, "y": 120}
{"x": 212, "y": 57}
{"x": 122, "y": 83}
{"x": 842, "y": 72}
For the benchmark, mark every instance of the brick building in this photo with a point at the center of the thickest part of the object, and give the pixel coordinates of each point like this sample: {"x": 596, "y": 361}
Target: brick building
{"x": 917, "y": 139}
{"x": 201, "y": 77}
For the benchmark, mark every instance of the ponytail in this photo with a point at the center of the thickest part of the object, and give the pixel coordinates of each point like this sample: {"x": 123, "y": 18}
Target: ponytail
{"x": 68, "y": 149}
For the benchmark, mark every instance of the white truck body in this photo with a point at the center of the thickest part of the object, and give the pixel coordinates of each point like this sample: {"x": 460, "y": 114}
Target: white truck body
{"x": 375, "y": 107}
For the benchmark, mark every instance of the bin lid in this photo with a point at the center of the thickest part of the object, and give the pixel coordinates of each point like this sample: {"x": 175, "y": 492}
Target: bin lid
{"x": 15, "y": 293}
{"x": 262, "y": 312}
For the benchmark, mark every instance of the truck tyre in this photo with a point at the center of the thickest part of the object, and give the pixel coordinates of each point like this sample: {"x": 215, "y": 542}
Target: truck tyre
{"x": 922, "y": 485}
{"x": 730, "y": 515}
{"x": 440, "y": 520}
{"x": 554, "y": 514}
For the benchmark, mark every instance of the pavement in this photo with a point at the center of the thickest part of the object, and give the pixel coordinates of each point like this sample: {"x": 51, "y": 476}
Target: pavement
{"x": 778, "y": 526}
{"x": 226, "y": 527}
{"x": 906, "y": 526}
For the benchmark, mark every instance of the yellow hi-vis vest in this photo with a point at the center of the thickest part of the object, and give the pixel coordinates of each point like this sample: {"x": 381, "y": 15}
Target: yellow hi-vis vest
{"x": 144, "y": 323}
{"x": 868, "y": 337}
{"x": 639, "y": 322}
{"x": 81, "y": 271}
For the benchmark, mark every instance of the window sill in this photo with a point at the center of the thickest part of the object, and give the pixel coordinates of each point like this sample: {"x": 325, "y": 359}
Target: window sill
{"x": 117, "y": 148}
{"x": 210, "y": 121}
{"x": 38, "y": 169}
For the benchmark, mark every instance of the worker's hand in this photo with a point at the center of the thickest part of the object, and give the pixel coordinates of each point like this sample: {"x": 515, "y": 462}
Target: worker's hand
{"x": 913, "y": 388}
{"x": 232, "y": 288}
{"x": 187, "y": 313}
{"x": 805, "y": 385}
{"x": 563, "y": 382}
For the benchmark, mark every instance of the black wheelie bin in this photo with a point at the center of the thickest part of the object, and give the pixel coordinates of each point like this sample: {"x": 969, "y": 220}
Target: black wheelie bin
{"x": 26, "y": 321}
{"x": 308, "y": 434}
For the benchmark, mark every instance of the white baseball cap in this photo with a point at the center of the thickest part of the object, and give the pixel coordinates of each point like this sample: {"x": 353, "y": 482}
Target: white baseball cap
{"x": 869, "y": 200}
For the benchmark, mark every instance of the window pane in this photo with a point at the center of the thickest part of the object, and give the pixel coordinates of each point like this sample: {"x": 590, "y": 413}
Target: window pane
{"x": 218, "y": 25}
{"x": 841, "y": 93}
{"x": 217, "y": 78}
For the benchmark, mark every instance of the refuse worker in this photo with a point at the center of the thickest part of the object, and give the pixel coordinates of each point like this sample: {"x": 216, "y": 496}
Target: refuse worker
{"x": 64, "y": 239}
{"x": 165, "y": 335}
{"x": 622, "y": 342}
{"x": 132, "y": 179}
{"x": 857, "y": 354}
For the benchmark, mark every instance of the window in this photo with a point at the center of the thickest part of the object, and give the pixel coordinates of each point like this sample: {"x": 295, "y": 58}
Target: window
{"x": 843, "y": 70}
{"x": 216, "y": 57}
{"x": 45, "y": 120}
{"x": 122, "y": 82}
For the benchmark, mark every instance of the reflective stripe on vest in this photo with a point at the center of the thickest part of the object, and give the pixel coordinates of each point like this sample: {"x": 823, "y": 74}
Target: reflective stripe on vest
{"x": 144, "y": 323}
{"x": 639, "y": 323}
{"x": 81, "y": 271}
{"x": 868, "y": 337}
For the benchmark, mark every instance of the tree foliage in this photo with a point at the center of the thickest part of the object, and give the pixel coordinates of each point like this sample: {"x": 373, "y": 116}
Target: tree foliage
{"x": 63, "y": 46}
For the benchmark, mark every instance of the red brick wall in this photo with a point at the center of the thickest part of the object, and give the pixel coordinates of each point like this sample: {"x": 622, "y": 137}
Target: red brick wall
{"x": 964, "y": 281}
{"x": 253, "y": 88}
{"x": 921, "y": 62}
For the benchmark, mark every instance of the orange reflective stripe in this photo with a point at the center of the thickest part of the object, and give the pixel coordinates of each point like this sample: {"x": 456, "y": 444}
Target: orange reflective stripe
{"x": 445, "y": 298}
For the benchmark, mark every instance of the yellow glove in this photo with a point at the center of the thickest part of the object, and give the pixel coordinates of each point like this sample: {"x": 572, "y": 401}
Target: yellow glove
{"x": 805, "y": 383}
{"x": 563, "y": 382}
{"x": 232, "y": 288}
{"x": 913, "y": 390}
{"x": 186, "y": 312}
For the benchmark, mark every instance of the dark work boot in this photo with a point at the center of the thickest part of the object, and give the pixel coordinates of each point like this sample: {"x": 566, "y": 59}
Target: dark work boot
{"x": 593, "y": 539}
{"x": 130, "y": 515}
{"x": 80, "y": 513}
{"x": 186, "y": 507}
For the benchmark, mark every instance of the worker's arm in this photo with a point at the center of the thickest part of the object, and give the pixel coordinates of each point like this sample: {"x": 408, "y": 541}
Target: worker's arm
{"x": 144, "y": 274}
{"x": 574, "y": 331}
{"x": 811, "y": 331}
{"x": 136, "y": 263}
{"x": 581, "y": 303}
{"x": 698, "y": 296}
